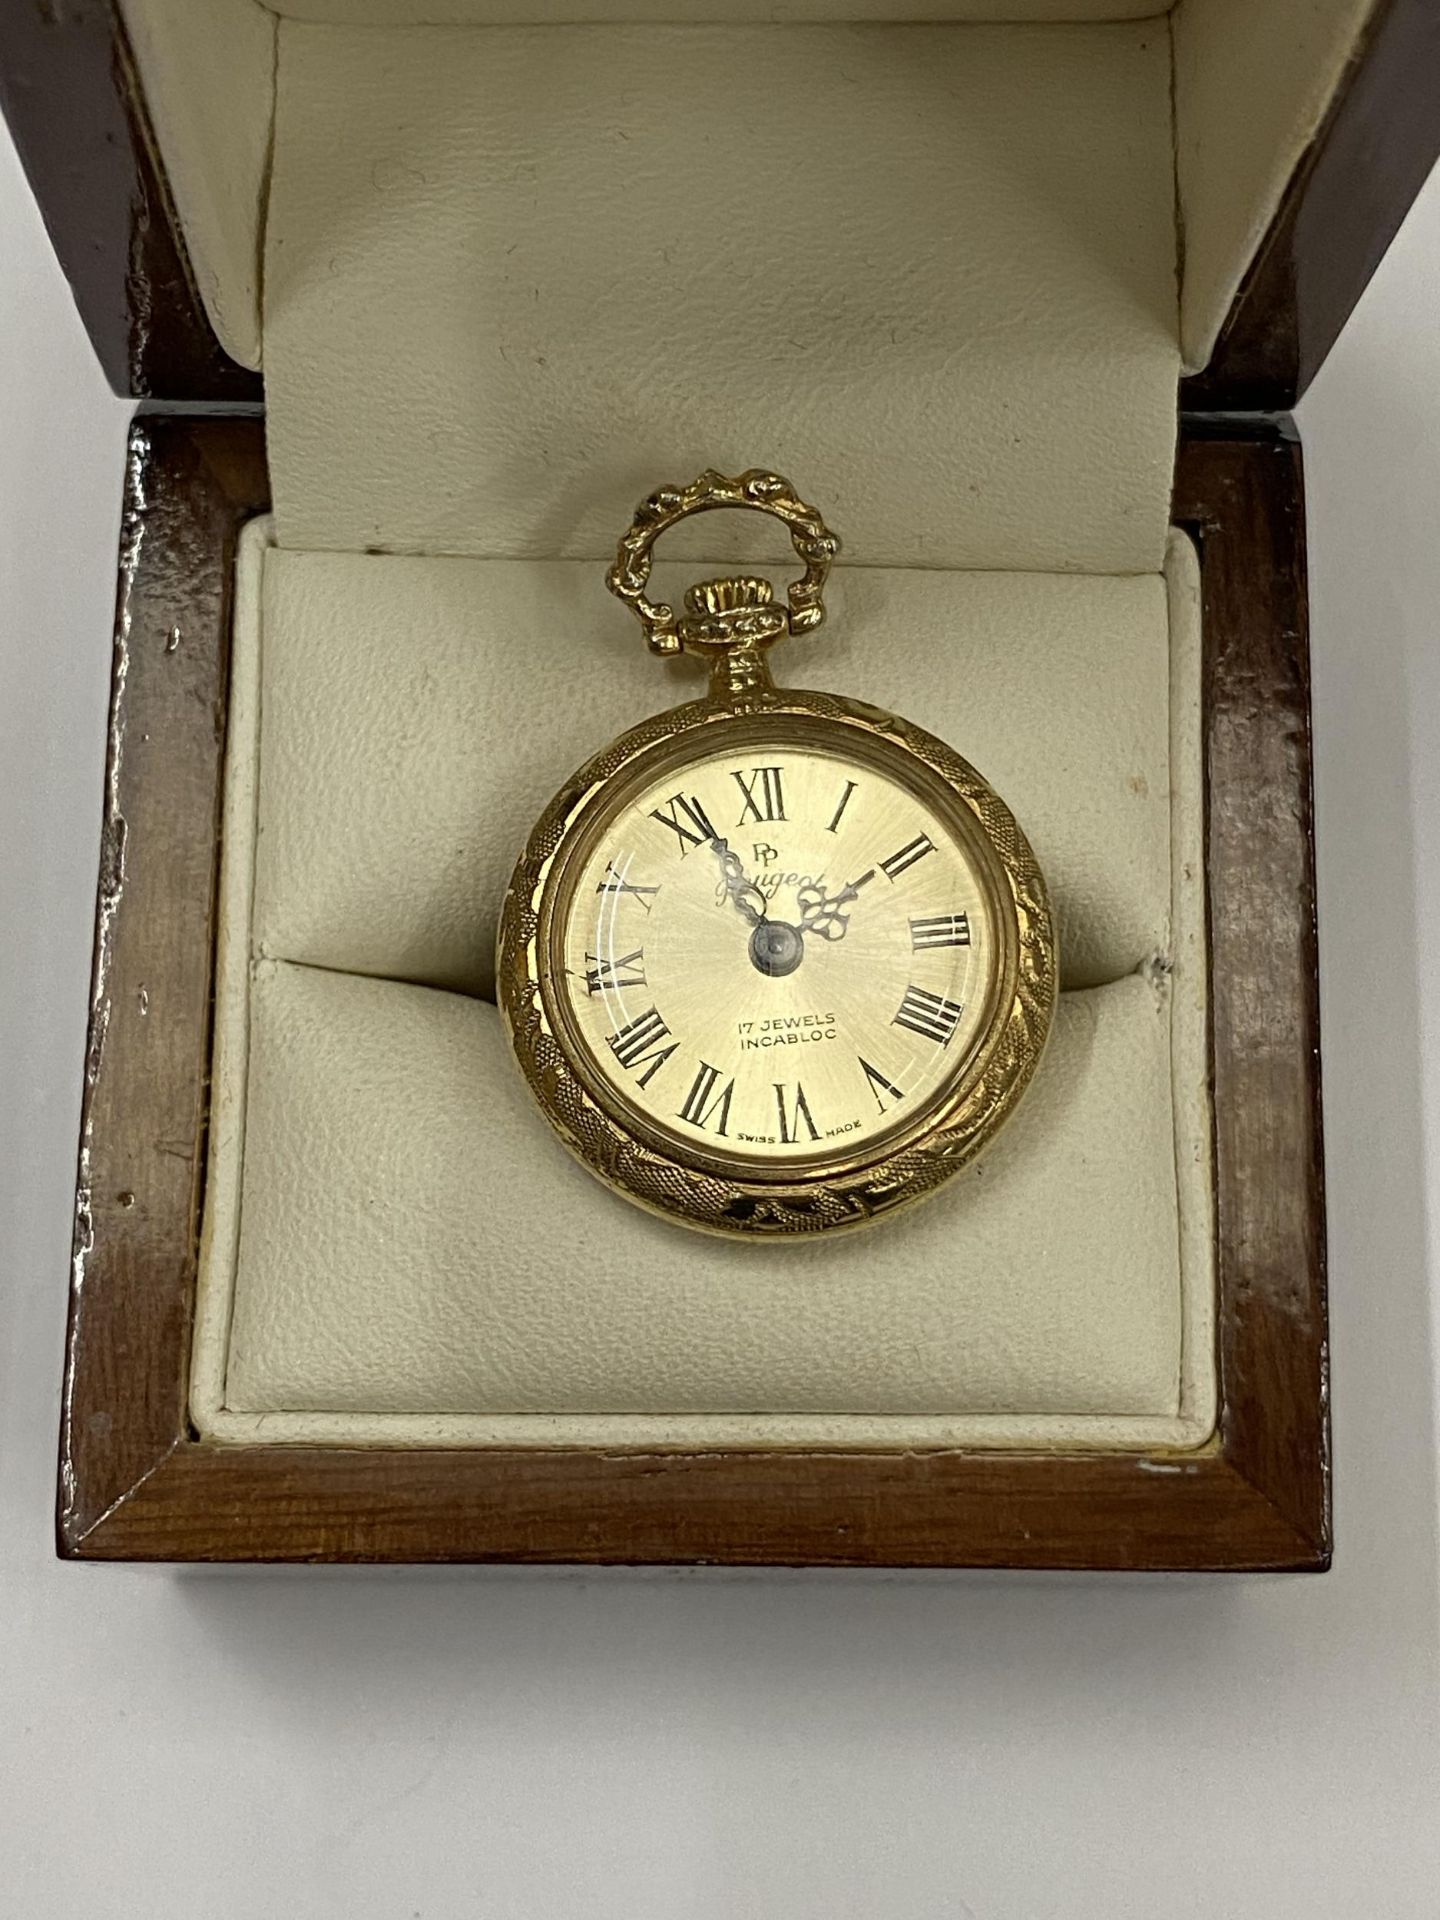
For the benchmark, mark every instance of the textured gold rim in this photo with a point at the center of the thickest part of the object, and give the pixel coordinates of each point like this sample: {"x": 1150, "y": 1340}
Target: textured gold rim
{"x": 701, "y": 1192}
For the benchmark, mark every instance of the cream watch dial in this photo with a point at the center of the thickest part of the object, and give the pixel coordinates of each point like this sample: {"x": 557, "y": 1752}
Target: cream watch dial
{"x": 777, "y": 955}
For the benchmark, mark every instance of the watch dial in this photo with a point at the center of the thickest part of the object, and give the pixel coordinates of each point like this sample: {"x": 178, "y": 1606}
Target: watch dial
{"x": 778, "y": 955}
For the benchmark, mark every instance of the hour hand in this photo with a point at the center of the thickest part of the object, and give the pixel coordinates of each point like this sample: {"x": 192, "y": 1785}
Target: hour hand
{"x": 748, "y": 899}
{"x": 826, "y": 916}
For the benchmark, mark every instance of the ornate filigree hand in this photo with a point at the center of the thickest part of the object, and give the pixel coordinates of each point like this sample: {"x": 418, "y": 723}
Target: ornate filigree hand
{"x": 824, "y": 914}
{"x": 749, "y": 901}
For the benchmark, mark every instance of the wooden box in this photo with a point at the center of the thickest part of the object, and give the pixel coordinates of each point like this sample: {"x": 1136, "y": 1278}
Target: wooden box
{"x": 143, "y": 1474}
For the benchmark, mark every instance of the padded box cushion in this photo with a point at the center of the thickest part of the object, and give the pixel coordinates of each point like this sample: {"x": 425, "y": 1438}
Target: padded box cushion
{"x": 413, "y": 1238}
{"x": 419, "y": 713}
{"x": 396, "y": 1247}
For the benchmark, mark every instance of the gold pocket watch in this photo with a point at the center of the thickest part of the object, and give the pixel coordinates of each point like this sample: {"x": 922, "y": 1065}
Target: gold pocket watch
{"x": 774, "y": 962}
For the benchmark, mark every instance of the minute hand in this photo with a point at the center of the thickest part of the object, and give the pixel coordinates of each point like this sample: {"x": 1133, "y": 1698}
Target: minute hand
{"x": 826, "y": 916}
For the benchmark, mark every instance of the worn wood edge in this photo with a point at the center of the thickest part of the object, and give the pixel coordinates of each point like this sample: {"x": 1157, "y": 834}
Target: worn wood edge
{"x": 1239, "y": 489}
{"x": 190, "y": 483}
{"x": 1375, "y": 160}
{"x": 201, "y": 1502}
{"x": 1343, "y": 205}
{"x": 77, "y": 115}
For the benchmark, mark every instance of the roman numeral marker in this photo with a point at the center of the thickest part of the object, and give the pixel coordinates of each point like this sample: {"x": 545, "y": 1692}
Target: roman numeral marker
{"x": 879, "y": 1085}
{"x": 902, "y": 861}
{"x": 617, "y": 883}
{"x": 687, "y": 820}
{"x": 699, "y": 1106}
{"x": 844, "y": 802}
{"x": 790, "y": 1125}
{"x": 771, "y": 803}
{"x": 603, "y": 971}
{"x": 634, "y": 1044}
{"x": 929, "y": 1014}
{"x": 946, "y": 930}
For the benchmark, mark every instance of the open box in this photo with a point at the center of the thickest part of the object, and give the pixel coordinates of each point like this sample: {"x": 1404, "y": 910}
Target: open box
{"x": 337, "y": 1293}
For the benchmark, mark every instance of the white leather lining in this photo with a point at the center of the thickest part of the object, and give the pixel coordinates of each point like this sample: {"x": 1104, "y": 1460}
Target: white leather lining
{"x": 1251, "y": 82}
{"x": 403, "y": 767}
{"x": 396, "y": 1250}
{"x": 208, "y": 72}
{"x": 927, "y": 271}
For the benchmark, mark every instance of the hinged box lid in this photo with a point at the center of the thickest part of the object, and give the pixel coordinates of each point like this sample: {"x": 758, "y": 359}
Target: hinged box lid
{"x": 1327, "y": 128}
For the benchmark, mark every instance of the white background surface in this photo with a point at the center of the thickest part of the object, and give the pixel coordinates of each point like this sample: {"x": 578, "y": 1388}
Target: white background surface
{"x": 386, "y": 1745}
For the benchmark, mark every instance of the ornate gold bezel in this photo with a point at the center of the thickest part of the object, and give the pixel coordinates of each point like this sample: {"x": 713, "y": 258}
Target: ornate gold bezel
{"x": 848, "y": 1192}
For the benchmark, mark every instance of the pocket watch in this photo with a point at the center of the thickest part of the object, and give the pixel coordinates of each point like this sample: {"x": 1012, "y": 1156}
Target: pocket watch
{"x": 774, "y": 962}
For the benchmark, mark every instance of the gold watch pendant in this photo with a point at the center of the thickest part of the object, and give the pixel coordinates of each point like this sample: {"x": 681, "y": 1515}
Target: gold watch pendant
{"x": 773, "y": 962}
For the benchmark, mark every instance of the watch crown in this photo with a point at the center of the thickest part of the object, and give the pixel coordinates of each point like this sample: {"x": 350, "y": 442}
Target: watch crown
{"x": 728, "y": 596}
{"x": 727, "y": 615}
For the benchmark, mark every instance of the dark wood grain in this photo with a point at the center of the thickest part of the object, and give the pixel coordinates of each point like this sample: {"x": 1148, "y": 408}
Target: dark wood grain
{"x": 757, "y": 1509}
{"x": 68, "y": 91}
{"x": 1244, "y": 503}
{"x": 1343, "y": 206}
{"x": 189, "y": 486}
{"x": 136, "y": 1485}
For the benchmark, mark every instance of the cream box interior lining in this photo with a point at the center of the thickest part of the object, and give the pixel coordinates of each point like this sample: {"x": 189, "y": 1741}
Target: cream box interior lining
{"x": 396, "y": 1248}
{"x": 507, "y": 277}
{"x": 1251, "y": 82}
